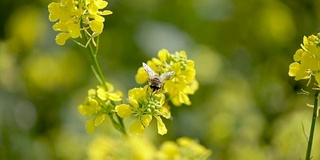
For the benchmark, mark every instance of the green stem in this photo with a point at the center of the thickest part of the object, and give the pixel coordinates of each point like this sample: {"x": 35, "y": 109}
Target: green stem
{"x": 313, "y": 124}
{"x": 96, "y": 65}
{"x": 118, "y": 124}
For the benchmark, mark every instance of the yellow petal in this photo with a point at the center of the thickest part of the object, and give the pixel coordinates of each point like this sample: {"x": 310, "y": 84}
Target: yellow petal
{"x": 102, "y": 93}
{"x": 133, "y": 102}
{"x": 298, "y": 55}
{"x": 59, "y": 26}
{"x": 191, "y": 87}
{"x": 163, "y": 54}
{"x": 99, "y": 119}
{"x": 183, "y": 98}
{"x": 99, "y": 18}
{"x": 92, "y": 92}
{"x": 96, "y": 26}
{"x": 165, "y": 111}
{"x": 54, "y": 9}
{"x": 101, "y": 4}
{"x": 293, "y": 69}
{"x": 84, "y": 110}
{"x": 137, "y": 128}
{"x": 183, "y": 54}
{"x": 106, "y": 12}
{"x": 146, "y": 119}
{"x": 61, "y": 38}
{"x": 74, "y": 30}
{"x": 161, "y": 127}
{"x": 90, "y": 127}
{"x": 175, "y": 101}
{"x": 141, "y": 76}
{"x": 123, "y": 110}
{"x": 115, "y": 96}
{"x": 110, "y": 87}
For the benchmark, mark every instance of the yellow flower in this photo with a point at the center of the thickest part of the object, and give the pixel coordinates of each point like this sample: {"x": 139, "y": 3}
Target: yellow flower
{"x": 104, "y": 94}
{"x": 100, "y": 103}
{"x": 182, "y": 84}
{"x": 144, "y": 106}
{"x": 76, "y": 15}
{"x": 91, "y": 106}
{"x": 307, "y": 60}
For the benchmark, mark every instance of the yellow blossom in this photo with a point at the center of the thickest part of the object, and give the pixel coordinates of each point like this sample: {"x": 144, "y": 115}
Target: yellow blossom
{"x": 307, "y": 60}
{"x": 144, "y": 106}
{"x": 72, "y": 16}
{"x": 89, "y": 107}
{"x": 182, "y": 84}
{"x": 104, "y": 94}
{"x": 100, "y": 103}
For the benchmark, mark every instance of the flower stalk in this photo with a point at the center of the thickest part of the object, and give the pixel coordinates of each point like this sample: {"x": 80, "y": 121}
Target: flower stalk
{"x": 96, "y": 69}
{"x": 313, "y": 125}
{"x": 96, "y": 66}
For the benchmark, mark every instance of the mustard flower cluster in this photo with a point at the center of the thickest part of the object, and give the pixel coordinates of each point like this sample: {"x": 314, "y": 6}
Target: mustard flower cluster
{"x": 104, "y": 147}
{"x": 307, "y": 60}
{"x": 184, "y": 148}
{"x": 99, "y": 104}
{"x": 182, "y": 84}
{"x": 144, "y": 105}
{"x": 72, "y": 16}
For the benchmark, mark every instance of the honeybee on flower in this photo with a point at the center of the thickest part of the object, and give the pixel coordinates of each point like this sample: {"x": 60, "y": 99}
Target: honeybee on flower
{"x": 155, "y": 81}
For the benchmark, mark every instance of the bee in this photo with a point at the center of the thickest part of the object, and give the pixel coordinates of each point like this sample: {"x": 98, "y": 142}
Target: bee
{"x": 155, "y": 81}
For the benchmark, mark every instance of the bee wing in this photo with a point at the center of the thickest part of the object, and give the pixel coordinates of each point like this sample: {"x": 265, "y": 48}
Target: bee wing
{"x": 148, "y": 70}
{"x": 166, "y": 76}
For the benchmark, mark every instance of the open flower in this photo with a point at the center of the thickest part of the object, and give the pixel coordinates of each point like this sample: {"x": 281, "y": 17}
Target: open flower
{"x": 72, "y": 16}
{"x": 307, "y": 60}
{"x": 181, "y": 84}
{"x": 144, "y": 106}
{"x": 99, "y": 103}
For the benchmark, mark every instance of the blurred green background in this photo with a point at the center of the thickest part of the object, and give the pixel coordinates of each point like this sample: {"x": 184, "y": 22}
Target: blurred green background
{"x": 247, "y": 107}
